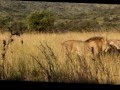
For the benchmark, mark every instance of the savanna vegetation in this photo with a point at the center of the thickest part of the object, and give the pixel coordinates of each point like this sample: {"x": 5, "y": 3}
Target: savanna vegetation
{"x": 59, "y": 17}
{"x": 31, "y": 37}
{"x": 40, "y": 58}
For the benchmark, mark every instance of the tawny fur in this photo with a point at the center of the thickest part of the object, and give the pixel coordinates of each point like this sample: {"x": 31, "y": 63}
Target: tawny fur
{"x": 99, "y": 44}
{"x": 76, "y": 47}
{"x": 115, "y": 42}
{"x": 92, "y": 46}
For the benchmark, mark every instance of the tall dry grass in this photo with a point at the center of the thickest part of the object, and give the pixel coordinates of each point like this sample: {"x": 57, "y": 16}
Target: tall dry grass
{"x": 40, "y": 58}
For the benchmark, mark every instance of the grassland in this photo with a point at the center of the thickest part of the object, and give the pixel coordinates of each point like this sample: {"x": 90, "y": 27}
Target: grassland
{"x": 40, "y": 58}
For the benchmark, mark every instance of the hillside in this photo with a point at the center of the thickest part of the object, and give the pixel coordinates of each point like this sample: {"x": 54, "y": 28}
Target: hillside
{"x": 64, "y": 12}
{"x": 64, "y": 9}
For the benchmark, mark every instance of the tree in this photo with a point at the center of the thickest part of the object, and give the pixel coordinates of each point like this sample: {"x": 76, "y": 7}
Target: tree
{"x": 5, "y": 21}
{"x": 40, "y": 21}
{"x": 17, "y": 27}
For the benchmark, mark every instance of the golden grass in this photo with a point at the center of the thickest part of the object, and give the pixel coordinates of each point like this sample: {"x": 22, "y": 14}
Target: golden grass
{"x": 24, "y": 66}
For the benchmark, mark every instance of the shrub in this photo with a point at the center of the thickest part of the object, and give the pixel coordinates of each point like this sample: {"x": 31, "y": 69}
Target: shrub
{"x": 4, "y": 22}
{"x": 40, "y": 21}
{"x": 17, "y": 27}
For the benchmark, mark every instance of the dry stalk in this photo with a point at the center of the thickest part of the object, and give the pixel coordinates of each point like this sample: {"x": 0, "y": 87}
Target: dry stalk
{"x": 4, "y": 51}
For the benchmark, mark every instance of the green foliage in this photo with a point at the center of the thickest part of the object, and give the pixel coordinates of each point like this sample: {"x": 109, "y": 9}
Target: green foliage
{"x": 17, "y": 27}
{"x": 40, "y": 21}
{"x": 10, "y": 22}
{"x": 78, "y": 25}
{"x": 89, "y": 24}
{"x": 5, "y": 21}
{"x": 74, "y": 16}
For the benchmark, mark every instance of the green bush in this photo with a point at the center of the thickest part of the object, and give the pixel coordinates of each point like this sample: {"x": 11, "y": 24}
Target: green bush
{"x": 40, "y": 21}
{"x": 5, "y": 21}
{"x": 17, "y": 27}
{"x": 77, "y": 25}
